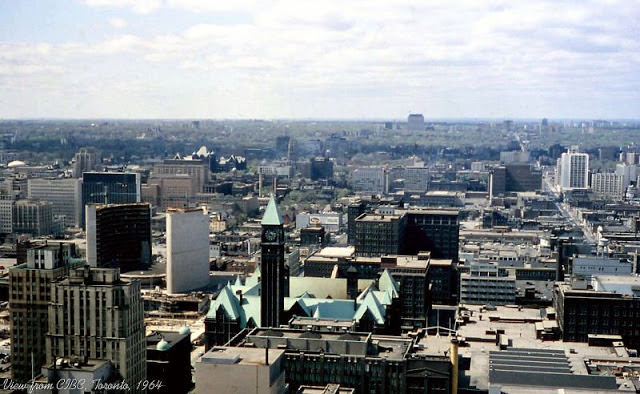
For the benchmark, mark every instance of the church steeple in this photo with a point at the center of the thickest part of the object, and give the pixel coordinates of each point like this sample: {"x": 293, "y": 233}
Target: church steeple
{"x": 273, "y": 275}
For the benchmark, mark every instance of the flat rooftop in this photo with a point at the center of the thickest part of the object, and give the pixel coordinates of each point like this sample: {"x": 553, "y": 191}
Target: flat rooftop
{"x": 336, "y": 251}
{"x": 478, "y": 341}
{"x": 240, "y": 355}
{"x": 369, "y": 217}
{"x": 627, "y": 285}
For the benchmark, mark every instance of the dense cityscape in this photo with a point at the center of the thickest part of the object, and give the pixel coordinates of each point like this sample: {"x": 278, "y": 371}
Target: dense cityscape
{"x": 319, "y": 197}
{"x": 320, "y": 257}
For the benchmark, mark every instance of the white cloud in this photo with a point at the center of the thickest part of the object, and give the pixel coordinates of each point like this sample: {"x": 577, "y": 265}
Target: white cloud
{"x": 139, "y": 6}
{"x": 464, "y": 59}
{"x": 118, "y": 23}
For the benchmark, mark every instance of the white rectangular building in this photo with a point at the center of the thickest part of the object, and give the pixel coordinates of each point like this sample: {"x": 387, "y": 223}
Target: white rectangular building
{"x": 187, "y": 250}
{"x": 372, "y": 179}
{"x": 608, "y": 184}
{"x": 65, "y": 195}
{"x": 574, "y": 170}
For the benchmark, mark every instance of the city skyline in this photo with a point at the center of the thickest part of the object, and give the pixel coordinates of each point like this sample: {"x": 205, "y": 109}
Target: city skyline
{"x": 295, "y": 60}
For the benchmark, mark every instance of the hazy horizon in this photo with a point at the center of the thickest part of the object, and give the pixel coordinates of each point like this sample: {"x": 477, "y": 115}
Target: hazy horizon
{"x": 295, "y": 60}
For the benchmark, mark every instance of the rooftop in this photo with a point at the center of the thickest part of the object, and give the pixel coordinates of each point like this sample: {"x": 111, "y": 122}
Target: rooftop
{"x": 478, "y": 340}
{"x": 369, "y": 217}
{"x": 627, "y": 285}
{"x": 240, "y": 355}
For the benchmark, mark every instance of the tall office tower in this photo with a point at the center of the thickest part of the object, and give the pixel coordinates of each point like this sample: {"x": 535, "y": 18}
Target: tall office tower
{"x": 574, "y": 170}
{"x": 436, "y": 231}
{"x": 119, "y": 236}
{"x": 282, "y": 146}
{"x": 94, "y": 314}
{"x": 187, "y": 250}
{"x": 354, "y": 210}
{"x": 415, "y": 122}
{"x": 29, "y": 298}
{"x": 65, "y": 195}
{"x": 321, "y": 168}
{"x": 109, "y": 188}
{"x": 85, "y": 160}
{"x": 273, "y": 276}
{"x": 33, "y": 217}
{"x": 377, "y": 235}
{"x": 198, "y": 169}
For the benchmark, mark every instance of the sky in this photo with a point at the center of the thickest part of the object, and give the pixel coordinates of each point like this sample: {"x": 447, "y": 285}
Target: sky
{"x": 328, "y": 59}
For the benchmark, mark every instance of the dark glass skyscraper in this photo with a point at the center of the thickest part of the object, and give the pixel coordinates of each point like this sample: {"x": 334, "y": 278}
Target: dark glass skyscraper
{"x": 109, "y": 188}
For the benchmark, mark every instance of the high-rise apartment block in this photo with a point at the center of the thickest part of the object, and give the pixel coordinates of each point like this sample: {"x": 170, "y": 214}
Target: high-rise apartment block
{"x": 187, "y": 250}
{"x": 574, "y": 170}
{"x": 608, "y": 184}
{"x": 94, "y": 314}
{"x": 29, "y": 298}
{"x": 119, "y": 236}
{"x": 64, "y": 194}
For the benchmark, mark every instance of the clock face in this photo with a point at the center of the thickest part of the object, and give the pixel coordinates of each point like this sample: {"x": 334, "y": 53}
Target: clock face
{"x": 270, "y": 235}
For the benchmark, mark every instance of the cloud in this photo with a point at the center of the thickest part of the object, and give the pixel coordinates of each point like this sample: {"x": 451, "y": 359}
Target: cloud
{"x": 118, "y": 23}
{"x": 386, "y": 56}
{"x": 138, "y": 6}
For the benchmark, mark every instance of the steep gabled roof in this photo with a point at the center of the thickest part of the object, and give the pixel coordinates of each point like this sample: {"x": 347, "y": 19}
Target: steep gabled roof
{"x": 228, "y": 301}
{"x": 272, "y": 215}
{"x": 370, "y": 303}
{"x": 387, "y": 283}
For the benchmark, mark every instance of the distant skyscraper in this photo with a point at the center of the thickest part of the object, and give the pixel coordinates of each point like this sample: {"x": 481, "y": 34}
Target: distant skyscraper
{"x": 321, "y": 168}
{"x": 119, "y": 236}
{"x": 110, "y": 188}
{"x": 273, "y": 276}
{"x": 96, "y": 315}
{"x": 283, "y": 144}
{"x": 86, "y": 160}
{"x": 187, "y": 250}
{"x": 574, "y": 170}
{"x": 415, "y": 122}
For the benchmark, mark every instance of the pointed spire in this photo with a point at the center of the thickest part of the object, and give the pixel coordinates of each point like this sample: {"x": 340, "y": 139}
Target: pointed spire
{"x": 272, "y": 215}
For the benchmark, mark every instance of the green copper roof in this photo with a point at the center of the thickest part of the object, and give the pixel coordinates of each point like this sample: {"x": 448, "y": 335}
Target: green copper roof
{"x": 272, "y": 216}
{"x": 387, "y": 283}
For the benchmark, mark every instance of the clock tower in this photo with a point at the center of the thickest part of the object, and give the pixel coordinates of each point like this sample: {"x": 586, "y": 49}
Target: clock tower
{"x": 273, "y": 275}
